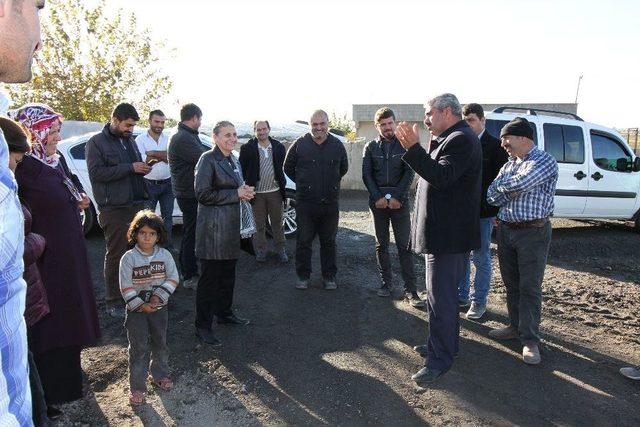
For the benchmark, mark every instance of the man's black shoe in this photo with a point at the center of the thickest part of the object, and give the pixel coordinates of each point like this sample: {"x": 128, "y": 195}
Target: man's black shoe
{"x": 427, "y": 375}
{"x": 232, "y": 320}
{"x": 207, "y": 337}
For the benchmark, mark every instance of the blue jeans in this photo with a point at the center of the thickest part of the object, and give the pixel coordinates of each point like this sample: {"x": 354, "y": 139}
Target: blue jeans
{"x": 160, "y": 191}
{"x": 482, "y": 262}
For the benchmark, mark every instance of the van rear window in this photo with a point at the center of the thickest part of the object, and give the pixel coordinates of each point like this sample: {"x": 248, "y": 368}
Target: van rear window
{"x": 564, "y": 142}
{"x": 494, "y": 127}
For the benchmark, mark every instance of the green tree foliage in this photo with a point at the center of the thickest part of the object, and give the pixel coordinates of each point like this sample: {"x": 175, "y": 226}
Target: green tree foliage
{"x": 343, "y": 124}
{"x": 92, "y": 60}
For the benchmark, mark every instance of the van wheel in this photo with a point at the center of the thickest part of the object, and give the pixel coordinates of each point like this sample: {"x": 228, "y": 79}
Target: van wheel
{"x": 636, "y": 225}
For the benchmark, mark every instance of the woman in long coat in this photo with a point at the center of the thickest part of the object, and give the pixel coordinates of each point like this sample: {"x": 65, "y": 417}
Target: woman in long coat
{"x": 46, "y": 185}
{"x": 219, "y": 188}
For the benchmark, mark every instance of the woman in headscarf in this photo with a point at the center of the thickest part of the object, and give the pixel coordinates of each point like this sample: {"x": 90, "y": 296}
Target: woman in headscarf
{"x": 46, "y": 185}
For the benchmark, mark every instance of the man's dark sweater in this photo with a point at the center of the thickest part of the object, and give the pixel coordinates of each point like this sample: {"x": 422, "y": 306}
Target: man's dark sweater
{"x": 316, "y": 169}
{"x": 493, "y": 158}
{"x": 183, "y": 153}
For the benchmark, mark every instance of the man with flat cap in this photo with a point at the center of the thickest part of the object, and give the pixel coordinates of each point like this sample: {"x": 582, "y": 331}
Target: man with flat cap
{"x": 524, "y": 191}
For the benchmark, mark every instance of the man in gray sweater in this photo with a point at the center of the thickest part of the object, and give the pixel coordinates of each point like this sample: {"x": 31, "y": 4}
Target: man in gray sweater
{"x": 185, "y": 149}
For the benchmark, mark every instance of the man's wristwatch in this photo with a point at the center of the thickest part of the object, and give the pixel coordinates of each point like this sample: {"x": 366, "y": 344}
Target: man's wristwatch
{"x": 387, "y": 196}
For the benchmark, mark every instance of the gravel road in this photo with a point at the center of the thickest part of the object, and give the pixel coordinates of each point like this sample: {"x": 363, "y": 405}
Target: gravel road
{"x": 318, "y": 357}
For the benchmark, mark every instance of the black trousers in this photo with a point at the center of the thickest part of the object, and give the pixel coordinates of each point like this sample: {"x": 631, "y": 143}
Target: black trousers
{"x": 38, "y": 403}
{"x": 320, "y": 220}
{"x": 188, "y": 261}
{"x": 400, "y": 220}
{"x": 215, "y": 290}
{"x": 444, "y": 272}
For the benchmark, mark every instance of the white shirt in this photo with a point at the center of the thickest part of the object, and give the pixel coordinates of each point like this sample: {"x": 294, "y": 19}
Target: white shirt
{"x": 159, "y": 170}
{"x": 265, "y": 150}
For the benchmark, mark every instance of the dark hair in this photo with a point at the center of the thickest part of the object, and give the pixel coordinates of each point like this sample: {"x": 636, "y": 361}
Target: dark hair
{"x": 125, "y": 111}
{"x": 221, "y": 124}
{"x": 473, "y": 108}
{"x": 151, "y": 220}
{"x": 156, "y": 113}
{"x": 255, "y": 123}
{"x": 384, "y": 113}
{"x": 188, "y": 111}
{"x": 15, "y": 136}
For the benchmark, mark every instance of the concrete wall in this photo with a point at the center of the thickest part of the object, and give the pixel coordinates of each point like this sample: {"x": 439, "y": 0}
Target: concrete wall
{"x": 368, "y": 131}
{"x": 414, "y": 113}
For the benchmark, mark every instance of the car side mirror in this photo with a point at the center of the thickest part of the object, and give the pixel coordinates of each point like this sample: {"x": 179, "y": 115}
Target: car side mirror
{"x": 636, "y": 164}
{"x": 622, "y": 164}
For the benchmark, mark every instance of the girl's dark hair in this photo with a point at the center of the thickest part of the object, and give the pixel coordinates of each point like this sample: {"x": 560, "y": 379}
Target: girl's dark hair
{"x": 151, "y": 220}
{"x": 15, "y": 136}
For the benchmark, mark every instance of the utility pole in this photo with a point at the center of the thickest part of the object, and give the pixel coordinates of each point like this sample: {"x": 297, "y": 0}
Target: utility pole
{"x": 578, "y": 88}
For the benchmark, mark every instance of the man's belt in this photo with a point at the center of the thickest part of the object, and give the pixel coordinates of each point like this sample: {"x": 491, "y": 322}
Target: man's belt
{"x": 157, "y": 181}
{"x": 534, "y": 223}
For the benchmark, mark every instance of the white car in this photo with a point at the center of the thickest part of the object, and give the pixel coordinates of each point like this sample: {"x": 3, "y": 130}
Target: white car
{"x": 598, "y": 173}
{"x": 73, "y": 150}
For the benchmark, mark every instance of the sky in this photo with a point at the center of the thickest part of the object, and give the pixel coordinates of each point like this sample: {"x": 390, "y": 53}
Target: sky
{"x": 280, "y": 60}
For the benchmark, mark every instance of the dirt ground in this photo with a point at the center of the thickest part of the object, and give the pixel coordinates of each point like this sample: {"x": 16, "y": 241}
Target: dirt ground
{"x": 318, "y": 357}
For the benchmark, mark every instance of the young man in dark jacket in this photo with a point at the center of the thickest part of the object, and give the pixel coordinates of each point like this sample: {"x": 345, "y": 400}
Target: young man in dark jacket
{"x": 493, "y": 157}
{"x": 262, "y": 160}
{"x": 185, "y": 149}
{"x": 116, "y": 173}
{"x": 317, "y": 162}
{"x": 388, "y": 179}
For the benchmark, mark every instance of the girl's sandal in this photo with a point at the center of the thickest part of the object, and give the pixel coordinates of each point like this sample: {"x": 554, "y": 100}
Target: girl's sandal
{"x": 164, "y": 383}
{"x": 136, "y": 398}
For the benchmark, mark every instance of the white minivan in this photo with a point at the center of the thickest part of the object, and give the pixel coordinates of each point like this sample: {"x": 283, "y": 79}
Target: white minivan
{"x": 599, "y": 174}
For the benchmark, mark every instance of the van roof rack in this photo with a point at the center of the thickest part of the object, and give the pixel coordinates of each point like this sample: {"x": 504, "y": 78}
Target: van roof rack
{"x": 535, "y": 111}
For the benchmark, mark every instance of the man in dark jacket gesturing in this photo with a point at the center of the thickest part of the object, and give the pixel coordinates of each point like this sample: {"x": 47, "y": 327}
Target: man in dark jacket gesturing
{"x": 445, "y": 220}
{"x": 116, "y": 173}
{"x": 317, "y": 162}
{"x": 262, "y": 159}
{"x": 183, "y": 153}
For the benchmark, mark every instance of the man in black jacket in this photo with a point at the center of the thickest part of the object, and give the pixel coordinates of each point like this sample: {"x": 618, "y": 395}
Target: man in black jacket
{"x": 116, "y": 173}
{"x": 185, "y": 149}
{"x": 317, "y": 162}
{"x": 262, "y": 159}
{"x": 445, "y": 220}
{"x": 493, "y": 157}
{"x": 388, "y": 179}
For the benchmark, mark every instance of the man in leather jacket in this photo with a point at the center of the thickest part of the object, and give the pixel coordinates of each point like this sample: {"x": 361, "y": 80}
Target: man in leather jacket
{"x": 388, "y": 179}
{"x": 316, "y": 162}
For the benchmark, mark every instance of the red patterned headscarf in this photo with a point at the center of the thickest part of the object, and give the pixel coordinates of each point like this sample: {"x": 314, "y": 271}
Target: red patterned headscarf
{"x": 38, "y": 119}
